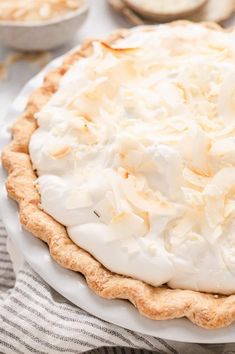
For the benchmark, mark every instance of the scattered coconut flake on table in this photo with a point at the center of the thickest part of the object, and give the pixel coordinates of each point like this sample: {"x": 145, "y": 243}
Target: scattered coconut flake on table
{"x": 41, "y": 59}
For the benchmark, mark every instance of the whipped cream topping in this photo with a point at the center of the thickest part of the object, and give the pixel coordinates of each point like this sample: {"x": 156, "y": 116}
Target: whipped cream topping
{"x": 135, "y": 156}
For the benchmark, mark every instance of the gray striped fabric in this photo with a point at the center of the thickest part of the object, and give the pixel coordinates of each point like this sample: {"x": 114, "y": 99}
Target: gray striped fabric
{"x": 36, "y": 319}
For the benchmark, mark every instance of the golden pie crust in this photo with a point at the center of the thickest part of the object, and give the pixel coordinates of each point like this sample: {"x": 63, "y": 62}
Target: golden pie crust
{"x": 158, "y": 303}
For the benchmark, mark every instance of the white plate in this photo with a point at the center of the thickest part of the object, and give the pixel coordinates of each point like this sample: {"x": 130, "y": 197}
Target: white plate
{"x": 72, "y": 285}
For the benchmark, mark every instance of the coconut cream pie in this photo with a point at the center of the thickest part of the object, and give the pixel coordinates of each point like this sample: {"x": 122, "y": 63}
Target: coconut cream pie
{"x": 123, "y": 162}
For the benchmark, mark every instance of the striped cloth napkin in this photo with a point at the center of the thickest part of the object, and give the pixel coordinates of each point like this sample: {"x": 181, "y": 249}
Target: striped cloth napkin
{"x": 36, "y": 319}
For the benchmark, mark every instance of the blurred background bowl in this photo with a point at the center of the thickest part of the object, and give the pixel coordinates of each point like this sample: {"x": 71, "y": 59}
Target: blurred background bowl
{"x": 43, "y": 35}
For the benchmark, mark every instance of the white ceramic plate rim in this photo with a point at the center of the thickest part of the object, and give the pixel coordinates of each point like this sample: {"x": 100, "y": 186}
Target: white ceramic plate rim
{"x": 72, "y": 285}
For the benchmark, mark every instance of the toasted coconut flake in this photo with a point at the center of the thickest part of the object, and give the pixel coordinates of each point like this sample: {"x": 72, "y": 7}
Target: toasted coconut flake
{"x": 118, "y": 49}
{"x": 214, "y": 194}
{"x": 3, "y": 71}
{"x": 195, "y": 147}
{"x": 143, "y": 201}
{"x": 127, "y": 225}
{"x": 61, "y": 152}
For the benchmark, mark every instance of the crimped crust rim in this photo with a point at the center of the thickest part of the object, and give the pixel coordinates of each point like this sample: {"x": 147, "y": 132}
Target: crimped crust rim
{"x": 158, "y": 303}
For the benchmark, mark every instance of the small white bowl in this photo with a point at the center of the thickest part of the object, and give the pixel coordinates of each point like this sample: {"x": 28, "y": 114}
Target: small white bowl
{"x": 43, "y": 35}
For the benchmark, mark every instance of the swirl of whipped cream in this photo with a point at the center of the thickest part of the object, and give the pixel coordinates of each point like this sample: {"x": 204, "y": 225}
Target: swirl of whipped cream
{"x": 135, "y": 156}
